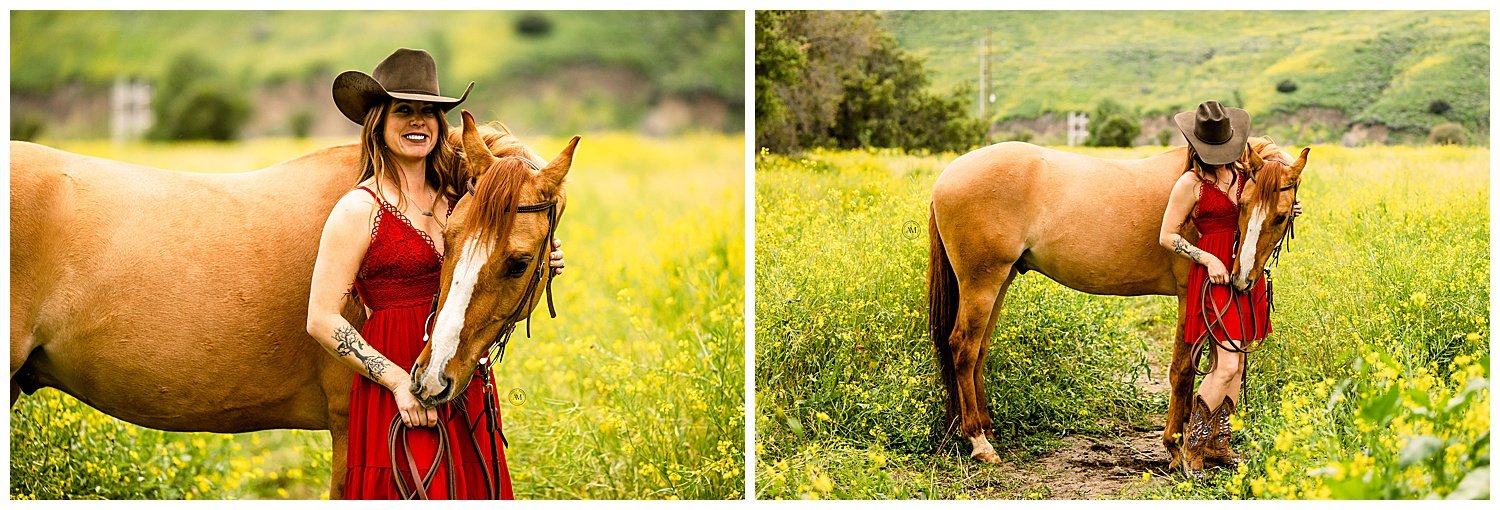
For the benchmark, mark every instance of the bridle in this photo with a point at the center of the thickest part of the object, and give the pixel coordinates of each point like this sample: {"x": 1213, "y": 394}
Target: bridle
{"x": 496, "y": 348}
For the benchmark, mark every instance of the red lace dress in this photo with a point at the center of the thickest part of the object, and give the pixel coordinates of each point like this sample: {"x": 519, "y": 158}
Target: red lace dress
{"x": 1245, "y": 316}
{"x": 397, "y": 280}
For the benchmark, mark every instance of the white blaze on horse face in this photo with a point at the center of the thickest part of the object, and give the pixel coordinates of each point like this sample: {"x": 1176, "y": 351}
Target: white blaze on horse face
{"x": 450, "y": 321}
{"x": 1247, "y": 245}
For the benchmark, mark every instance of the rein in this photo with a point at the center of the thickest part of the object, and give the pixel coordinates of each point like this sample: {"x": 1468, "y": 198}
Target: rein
{"x": 496, "y": 348}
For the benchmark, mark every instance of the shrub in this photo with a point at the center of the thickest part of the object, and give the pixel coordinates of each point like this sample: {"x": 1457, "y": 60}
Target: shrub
{"x": 1286, "y": 86}
{"x": 533, "y": 25}
{"x": 25, "y": 127}
{"x": 1164, "y": 137}
{"x": 1448, "y": 133}
{"x": 301, "y": 123}
{"x": 1019, "y": 135}
{"x": 194, "y": 103}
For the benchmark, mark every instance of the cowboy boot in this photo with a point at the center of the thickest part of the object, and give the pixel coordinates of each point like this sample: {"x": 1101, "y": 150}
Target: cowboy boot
{"x": 1218, "y": 451}
{"x": 1199, "y": 433}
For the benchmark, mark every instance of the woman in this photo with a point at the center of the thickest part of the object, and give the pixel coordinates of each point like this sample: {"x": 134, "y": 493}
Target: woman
{"x": 1210, "y": 191}
{"x": 383, "y": 240}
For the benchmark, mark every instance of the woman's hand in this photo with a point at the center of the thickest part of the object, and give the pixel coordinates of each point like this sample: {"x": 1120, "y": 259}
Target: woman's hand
{"x": 1296, "y": 209}
{"x": 557, "y": 257}
{"x": 413, "y": 413}
{"x": 1216, "y": 272}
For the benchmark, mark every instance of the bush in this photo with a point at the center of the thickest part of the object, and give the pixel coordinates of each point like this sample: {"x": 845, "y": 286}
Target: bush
{"x": 1019, "y": 135}
{"x": 1438, "y": 107}
{"x": 194, "y": 103}
{"x": 1112, "y": 126}
{"x": 25, "y": 127}
{"x": 302, "y": 122}
{"x": 533, "y": 25}
{"x": 1164, "y": 137}
{"x": 1286, "y": 86}
{"x": 1448, "y": 133}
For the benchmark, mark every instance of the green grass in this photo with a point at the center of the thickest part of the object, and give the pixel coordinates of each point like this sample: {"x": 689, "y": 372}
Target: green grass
{"x": 635, "y": 391}
{"x": 1386, "y": 286}
{"x": 1384, "y": 67}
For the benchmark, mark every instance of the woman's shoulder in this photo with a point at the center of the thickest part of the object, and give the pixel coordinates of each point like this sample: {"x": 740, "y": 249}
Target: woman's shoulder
{"x": 357, "y": 205}
{"x": 1187, "y": 180}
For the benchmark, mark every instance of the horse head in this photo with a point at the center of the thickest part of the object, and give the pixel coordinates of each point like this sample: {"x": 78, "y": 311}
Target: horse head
{"x": 1266, "y": 209}
{"x": 501, "y": 232}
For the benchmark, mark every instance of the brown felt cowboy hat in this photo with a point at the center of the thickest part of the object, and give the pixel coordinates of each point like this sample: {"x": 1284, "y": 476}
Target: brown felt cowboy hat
{"x": 407, "y": 74}
{"x": 1216, "y": 133}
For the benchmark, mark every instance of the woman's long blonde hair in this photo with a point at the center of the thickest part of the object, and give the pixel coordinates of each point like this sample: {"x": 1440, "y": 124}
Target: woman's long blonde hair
{"x": 375, "y": 158}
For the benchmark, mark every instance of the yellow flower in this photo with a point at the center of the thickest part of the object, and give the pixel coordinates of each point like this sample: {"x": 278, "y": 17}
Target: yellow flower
{"x": 1419, "y": 299}
{"x": 822, "y": 416}
{"x": 822, "y": 483}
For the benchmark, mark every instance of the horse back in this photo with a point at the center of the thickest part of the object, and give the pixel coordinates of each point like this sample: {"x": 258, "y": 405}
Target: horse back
{"x": 1089, "y": 223}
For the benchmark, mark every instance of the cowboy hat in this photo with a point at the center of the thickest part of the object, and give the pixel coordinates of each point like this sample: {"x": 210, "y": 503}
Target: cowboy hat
{"x": 407, "y": 74}
{"x": 1216, "y": 133}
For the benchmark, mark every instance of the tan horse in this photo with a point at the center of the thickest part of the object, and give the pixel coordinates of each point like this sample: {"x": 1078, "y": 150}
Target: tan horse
{"x": 1090, "y": 224}
{"x": 178, "y": 301}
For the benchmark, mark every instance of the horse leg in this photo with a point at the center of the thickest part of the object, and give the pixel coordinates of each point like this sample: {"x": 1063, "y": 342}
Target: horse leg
{"x": 1180, "y": 376}
{"x": 340, "y": 432}
{"x": 977, "y": 297}
{"x": 985, "y": 423}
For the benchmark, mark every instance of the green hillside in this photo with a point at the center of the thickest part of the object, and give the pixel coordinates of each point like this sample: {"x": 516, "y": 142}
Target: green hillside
{"x": 568, "y": 69}
{"x": 681, "y": 51}
{"x": 1377, "y": 67}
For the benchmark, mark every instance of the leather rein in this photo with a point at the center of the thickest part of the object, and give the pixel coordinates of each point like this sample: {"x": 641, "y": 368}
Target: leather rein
{"x": 419, "y": 488}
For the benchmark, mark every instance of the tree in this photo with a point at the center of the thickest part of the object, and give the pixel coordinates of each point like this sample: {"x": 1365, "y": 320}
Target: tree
{"x": 1112, "y": 126}
{"x": 193, "y": 102}
{"x": 836, "y": 79}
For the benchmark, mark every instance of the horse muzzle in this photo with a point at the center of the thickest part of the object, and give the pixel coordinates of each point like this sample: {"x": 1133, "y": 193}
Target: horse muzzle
{"x": 432, "y": 397}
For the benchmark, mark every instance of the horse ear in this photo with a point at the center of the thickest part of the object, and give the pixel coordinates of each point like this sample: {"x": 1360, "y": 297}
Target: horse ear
{"x": 477, "y": 157}
{"x": 1301, "y": 162}
{"x": 557, "y": 170}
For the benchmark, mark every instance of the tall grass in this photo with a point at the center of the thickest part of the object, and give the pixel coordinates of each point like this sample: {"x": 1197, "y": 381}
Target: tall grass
{"x": 1391, "y": 258}
{"x": 634, "y": 391}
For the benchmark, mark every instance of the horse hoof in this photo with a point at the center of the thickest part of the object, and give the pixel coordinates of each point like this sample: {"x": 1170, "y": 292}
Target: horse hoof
{"x": 986, "y": 457}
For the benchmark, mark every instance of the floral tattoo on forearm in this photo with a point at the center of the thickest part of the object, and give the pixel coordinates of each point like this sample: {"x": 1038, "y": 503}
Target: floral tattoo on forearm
{"x": 349, "y": 343}
{"x": 1180, "y": 245}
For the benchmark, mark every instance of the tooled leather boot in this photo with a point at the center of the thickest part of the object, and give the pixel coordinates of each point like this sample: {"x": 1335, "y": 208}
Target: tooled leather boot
{"x": 1218, "y": 451}
{"x": 1200, "y": 431}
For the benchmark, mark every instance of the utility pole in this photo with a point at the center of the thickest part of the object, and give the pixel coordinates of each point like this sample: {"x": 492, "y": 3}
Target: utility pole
{"x": 986, "y": 71}
{"x": 983, "y": 73}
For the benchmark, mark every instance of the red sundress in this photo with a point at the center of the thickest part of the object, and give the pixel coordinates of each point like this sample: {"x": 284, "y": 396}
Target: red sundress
{"x": 397, "y": 280}
{"x": 1245, "y": 316}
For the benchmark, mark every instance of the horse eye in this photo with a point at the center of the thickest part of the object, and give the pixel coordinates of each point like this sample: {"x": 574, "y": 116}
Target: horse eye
{"x": 517, "y": 266}
{"x": 1280, "y": 218}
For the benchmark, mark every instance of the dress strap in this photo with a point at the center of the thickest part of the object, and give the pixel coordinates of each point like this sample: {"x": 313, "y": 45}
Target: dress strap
{"x": 378, "y": 200}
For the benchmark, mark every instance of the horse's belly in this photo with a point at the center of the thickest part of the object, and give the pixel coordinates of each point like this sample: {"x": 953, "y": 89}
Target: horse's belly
{"x": 188, "y": 390}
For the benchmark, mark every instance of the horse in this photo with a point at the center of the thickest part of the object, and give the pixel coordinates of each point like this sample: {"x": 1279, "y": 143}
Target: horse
{"x": 1089, "y": 224}
{"x": 178, "y": 301}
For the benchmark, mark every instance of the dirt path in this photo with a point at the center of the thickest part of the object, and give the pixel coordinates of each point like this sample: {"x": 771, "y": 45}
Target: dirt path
{"x": 1102, "y": 467}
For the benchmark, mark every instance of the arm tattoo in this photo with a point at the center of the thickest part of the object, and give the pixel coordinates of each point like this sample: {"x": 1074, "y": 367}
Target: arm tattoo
{"x": 1180, "y": 245}
{"x": 349, "y": 343}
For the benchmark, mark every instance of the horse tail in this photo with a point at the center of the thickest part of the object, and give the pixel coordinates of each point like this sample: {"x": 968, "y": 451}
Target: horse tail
{"x": 942, "y": 311}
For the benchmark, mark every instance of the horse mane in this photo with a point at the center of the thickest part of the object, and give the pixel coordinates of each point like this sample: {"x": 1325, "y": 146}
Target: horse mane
{"x": 497, "y": 191}
{"x": 1273, "y": 162}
